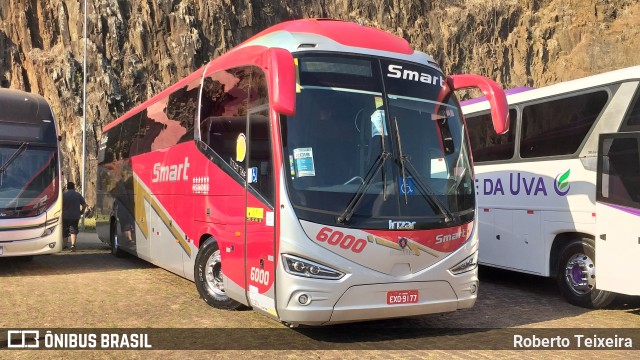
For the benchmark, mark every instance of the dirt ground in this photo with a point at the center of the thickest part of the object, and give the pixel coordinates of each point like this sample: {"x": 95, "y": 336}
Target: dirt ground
{"x": 91, "y": 289}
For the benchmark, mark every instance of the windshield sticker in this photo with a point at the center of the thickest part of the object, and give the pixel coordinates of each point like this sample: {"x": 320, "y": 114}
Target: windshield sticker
{"x": 304, "y": 162}
{"x": 241, "y": 147}
{"x": 293, "y": 169}
{"x": 378, "y": 101}
{"x": 406, "y": 186}
{"x": 438, "y": 168}
{"x": 378, "y": 123}
{"x": 253, "y": 175}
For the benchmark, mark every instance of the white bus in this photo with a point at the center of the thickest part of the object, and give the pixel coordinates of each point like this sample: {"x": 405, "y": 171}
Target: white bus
{"x": 30, "y": 192}
{"x": 536, "y": 185}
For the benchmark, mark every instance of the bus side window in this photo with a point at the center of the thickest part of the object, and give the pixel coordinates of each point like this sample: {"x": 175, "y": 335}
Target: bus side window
{"x": 260, "y": 155}
{"x": 486, "y": 145}
{"x": 559, "y": 127}
{"x": 181, "y": 108}
{"x": 624, "y": 172}
{"x": 632, "y": 121}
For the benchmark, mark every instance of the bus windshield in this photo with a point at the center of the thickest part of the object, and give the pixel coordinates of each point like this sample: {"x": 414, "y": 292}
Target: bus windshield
{"x": 367, "y": 148}
{"x": 28, "y": 183}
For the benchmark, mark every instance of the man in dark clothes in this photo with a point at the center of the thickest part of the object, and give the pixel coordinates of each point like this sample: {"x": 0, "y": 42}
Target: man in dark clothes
{"x": 73, "y": 206}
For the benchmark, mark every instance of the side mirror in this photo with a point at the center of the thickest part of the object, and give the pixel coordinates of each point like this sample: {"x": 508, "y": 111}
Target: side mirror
{"x": 494, "y": 94}
{"x": 283, "y": 80}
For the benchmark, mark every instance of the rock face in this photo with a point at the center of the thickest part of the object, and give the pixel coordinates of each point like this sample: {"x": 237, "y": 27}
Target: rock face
{"x": 137, "y": 48}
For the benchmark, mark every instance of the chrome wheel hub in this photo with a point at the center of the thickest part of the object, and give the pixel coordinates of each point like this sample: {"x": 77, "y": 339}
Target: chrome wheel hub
{"x": 580, "y": 274}
{"x": 213, "y": 274}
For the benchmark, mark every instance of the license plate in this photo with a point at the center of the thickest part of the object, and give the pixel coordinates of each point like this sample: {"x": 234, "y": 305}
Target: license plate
{"x": 402, "y": 297}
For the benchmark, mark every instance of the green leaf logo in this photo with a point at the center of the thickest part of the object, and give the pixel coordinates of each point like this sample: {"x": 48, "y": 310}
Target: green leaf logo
{"x": 562, "y": 185}
{"x": 563, "y": 181}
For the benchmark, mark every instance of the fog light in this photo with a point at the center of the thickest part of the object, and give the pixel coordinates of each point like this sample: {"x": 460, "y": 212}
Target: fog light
{"x": 52, "y": 245}
{"x": 304, "y": 299}
{"x": 474, "y": 288}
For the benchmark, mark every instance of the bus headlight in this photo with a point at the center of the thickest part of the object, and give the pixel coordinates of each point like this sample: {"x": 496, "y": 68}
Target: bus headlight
{"x": 50, "y": 226}
{"x": 465, "y": 265}
{"x": 48, "y": 231}
{"x": 307, "y": 268}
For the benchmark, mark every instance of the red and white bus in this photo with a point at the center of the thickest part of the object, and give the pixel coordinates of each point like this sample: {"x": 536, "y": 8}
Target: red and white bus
{"x": 319, "y": 172}
{"x": 30, "y": 191}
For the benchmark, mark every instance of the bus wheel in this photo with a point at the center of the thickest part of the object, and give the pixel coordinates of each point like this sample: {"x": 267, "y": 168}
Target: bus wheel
{"x": 577, "y": 275}
{"x": 114, "y": 241}
{"x": 209, "y": 277}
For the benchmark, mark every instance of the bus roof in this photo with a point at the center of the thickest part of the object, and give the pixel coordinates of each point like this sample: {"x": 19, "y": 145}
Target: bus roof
{"x": 336, "y": 35}
{"x": 22, "y": 107}
{"x": 626, "y": 74}
{"x": 342, "y": 32}
{"x": 306, "y": 35}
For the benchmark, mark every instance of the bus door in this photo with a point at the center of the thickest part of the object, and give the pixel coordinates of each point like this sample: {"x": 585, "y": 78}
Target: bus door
{"x": 260, "y": 231}
{"x": 618, "y": 213}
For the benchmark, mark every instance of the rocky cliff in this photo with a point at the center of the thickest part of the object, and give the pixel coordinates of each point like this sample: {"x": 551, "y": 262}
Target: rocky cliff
{"x": 137, "y": 48}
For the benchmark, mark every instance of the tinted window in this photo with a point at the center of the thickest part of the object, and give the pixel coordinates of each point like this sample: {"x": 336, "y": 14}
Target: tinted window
{"x": 167, "y": 122}
{"x": 117, "y": 143}
{"x": 28, "y": 182}
{"x": 230, "y": 99}
{"x": 224, "y": 115}
{"x": 632, "y": 122}
{"x": 182, "y": 108}
{"x": 620, "y": 178}
{"x": 260, "y": 159}
{"x": 558, "y": 127}
{"x": 486, "y": 145}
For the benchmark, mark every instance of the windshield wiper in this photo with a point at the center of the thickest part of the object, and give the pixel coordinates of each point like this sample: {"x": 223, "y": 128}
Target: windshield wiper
{"x": 425, "y": 189}
{"x": 14, "y": 156}
{"x": 373, "y": 171}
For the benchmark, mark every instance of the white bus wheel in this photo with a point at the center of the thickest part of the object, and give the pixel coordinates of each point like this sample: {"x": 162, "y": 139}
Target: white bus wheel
{"x": 209, "y": 277}
{"x": 577, "y": 275}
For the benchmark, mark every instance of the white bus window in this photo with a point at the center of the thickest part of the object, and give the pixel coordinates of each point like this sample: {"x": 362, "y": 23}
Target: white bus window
{"x": 620, "y": 182}
{"x": 485, "y": 143}
{"x": 558, "y": 127}
{"x": 632, "y": 122}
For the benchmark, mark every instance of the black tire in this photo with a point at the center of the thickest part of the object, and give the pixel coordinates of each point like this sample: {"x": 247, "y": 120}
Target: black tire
{"x": 208, "y": 277}
{"x": 576, "y": 275}
{"x": 113, "y": 241}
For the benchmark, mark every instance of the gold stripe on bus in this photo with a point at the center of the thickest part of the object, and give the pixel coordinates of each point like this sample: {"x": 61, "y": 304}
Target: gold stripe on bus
{"x": 413, "y": 247}
{"x": 141, "y": 195}
{"x": 141, "y": 216}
